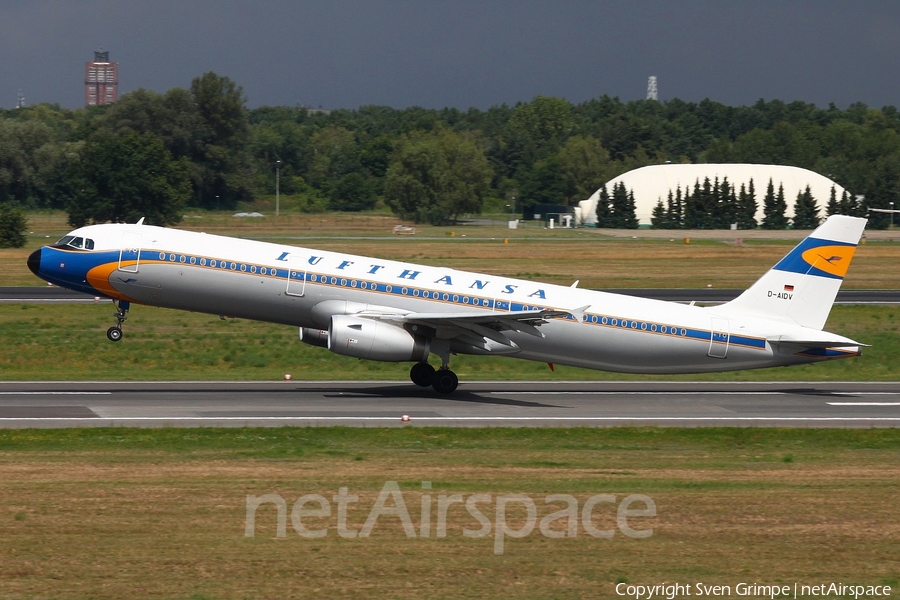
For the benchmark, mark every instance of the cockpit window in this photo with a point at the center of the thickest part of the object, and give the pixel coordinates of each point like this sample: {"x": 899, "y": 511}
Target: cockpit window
{"x": 76, "y": 242}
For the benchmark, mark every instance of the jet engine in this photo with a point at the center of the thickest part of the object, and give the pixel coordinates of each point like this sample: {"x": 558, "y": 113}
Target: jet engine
{"x": 314, "y": 337}
{"x": 375, "y": 340}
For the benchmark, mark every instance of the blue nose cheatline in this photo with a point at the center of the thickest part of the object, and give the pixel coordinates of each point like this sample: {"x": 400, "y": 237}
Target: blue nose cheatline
{"x": 34, "y": 262}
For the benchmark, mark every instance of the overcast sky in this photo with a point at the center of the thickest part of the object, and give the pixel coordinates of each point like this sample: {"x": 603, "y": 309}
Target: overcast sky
{"x": 349, "y": 53}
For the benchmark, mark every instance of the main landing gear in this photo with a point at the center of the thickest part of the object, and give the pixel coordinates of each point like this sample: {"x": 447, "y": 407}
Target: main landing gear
{"x": 443, "y": 380}
{"x": 114, "y": 333}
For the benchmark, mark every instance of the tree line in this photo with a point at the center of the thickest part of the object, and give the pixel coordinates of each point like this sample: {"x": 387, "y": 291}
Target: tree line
{"x": 154, "y": 154}
{"x": 718, "y": 205}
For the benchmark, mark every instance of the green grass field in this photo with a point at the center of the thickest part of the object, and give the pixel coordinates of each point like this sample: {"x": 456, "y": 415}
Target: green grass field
{"x": 68, "y": 342}
{"x": 113, "y": 513}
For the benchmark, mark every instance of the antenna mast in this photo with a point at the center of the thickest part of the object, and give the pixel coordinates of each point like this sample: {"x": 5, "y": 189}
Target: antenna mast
{"x": 652, "y": 92}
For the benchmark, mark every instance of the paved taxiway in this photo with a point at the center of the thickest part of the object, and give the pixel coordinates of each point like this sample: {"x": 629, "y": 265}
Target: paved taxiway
{"x": 475, "y": 404}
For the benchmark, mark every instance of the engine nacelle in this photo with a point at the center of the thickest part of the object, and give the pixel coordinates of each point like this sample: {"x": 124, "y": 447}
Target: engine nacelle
{"x": 375, "y": 340}
{"x": 314, "y": 337}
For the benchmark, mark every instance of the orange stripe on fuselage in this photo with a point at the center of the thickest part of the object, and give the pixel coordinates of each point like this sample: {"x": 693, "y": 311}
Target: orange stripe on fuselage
{"x": 99, "y": 276}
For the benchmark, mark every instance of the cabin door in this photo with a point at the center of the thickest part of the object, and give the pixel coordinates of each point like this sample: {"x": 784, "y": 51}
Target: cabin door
{"x": 296, "y": 276}
{"x": 130, "y": 253}
{"x": 719, "y": 338}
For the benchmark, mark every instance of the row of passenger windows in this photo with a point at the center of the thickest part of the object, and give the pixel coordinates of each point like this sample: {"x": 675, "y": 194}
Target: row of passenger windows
{"x": 415, "y": 292}
{"x": 627, "y": 324}
{"x": 403, "y": 291}
{"x": 217, "y": 264}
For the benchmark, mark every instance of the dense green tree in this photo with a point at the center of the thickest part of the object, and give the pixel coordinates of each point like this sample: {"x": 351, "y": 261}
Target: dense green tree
{"x": 622, "y": 208}
{"x": 746, "y": 207}
{"x": 24, "y": 145}
{"x": 774, "y": 208}
{"x": 542, "y": 125}
{"x": 352, "y": 192}
{"x": 221, "y": 172}
{"x": 436, "y": 177}
{"x": 604, "y": 209}
{"x": 659, "y": 219}
{"x": 693, "y": 209}
{"x": 173, "y": 117}
{"x": 676, "y": 212}
{"x": 543, "y": 183}
{"x": 583, "y": 164}
{"x": 883, "y": 190}
{"x": 12, "y": 226}
{"x": 124, "y": 178}
{"x": 806, "y": 211}
{"x": 833, "y": 207}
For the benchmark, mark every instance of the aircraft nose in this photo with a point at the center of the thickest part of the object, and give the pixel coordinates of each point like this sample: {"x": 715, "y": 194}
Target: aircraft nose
{"x": 34, "y": 261}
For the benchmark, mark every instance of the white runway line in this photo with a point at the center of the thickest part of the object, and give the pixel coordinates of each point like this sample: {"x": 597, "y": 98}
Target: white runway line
{"x": 864, "y": 403}
{"x": 451, "y": 419}
{"x": 55, "y": 393}
{"x": 639, "y": 393}
{"x": 689, "y": 392}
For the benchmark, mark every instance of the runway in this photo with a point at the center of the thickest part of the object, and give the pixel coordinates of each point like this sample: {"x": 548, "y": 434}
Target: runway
{"x": 474, "y": 404}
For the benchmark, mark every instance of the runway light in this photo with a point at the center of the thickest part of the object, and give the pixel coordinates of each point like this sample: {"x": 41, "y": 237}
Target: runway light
{"x": 404, "y": 419}
{"x": 96, "y": 298}
{"x": 287, "y": 376}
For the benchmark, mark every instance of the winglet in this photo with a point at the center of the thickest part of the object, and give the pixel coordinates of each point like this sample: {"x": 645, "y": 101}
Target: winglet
{"x": 578, "y": 313}
{"x": 141, "y": 221}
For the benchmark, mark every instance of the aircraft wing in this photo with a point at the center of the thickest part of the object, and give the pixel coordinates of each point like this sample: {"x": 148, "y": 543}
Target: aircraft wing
{"x": 489, "y": 325}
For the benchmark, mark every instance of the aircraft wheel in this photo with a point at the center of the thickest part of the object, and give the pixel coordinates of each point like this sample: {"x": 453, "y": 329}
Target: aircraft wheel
{"x": 445, "y": 381}
{"x": 422, "y": 374}
{"x": 114, "y": 334}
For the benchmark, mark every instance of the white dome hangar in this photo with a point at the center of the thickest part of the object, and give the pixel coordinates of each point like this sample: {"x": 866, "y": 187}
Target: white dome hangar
{"x": 651, "y": 184}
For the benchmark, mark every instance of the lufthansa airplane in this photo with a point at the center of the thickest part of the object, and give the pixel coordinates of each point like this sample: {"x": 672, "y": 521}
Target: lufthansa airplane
{"x": 400, "y": 312}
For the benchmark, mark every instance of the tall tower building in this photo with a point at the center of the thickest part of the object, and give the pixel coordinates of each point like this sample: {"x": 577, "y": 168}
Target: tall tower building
{"x": 101, "y": 80}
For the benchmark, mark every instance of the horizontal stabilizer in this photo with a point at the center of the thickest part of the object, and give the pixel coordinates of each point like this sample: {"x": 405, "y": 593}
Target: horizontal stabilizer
{"x": 802, "y": 344}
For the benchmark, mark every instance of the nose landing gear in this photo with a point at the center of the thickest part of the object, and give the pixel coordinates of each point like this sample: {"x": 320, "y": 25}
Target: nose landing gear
{"x": 114, "y": 333}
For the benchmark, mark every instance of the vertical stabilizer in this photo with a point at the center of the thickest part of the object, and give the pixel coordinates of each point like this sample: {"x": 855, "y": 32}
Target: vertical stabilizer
{"x": 802, "y": 287}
